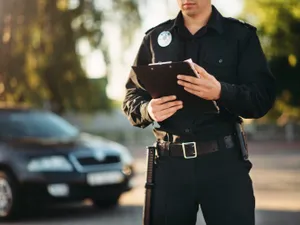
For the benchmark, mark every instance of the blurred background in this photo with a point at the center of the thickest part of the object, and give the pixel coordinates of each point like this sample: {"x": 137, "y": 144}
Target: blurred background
{"x": 73, "y": 57}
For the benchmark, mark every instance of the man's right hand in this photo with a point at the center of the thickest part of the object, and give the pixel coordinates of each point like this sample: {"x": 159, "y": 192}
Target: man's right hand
{"x": 162, "y": 108}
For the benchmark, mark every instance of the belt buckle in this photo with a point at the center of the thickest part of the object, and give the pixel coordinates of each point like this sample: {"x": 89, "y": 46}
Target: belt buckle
{"x": 184, "y": 150}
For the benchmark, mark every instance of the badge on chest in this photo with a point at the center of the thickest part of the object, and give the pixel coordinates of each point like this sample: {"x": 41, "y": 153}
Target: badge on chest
{"x": 164, "y": 39}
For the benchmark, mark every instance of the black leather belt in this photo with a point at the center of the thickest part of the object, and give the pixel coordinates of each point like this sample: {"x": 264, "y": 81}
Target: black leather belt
{"x": 191, "y": 150}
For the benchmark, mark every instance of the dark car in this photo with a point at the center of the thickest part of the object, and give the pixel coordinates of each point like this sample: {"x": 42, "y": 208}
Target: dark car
{"x": 43, "y": 158}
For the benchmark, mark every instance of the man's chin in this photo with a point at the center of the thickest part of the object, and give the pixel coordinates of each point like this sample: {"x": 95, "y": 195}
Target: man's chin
{"x": 191, "y": 13}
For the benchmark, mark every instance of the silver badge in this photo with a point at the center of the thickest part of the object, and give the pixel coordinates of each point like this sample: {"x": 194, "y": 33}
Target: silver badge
{"x": 164, "y": 39}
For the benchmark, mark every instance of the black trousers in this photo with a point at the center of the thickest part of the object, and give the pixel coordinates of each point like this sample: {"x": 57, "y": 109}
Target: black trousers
{"x": 218, "y": 182}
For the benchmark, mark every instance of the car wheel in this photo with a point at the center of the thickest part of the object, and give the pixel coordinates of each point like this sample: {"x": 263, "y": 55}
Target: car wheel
{"x": 8, "y": 196}
{"x": 106, "y": 203}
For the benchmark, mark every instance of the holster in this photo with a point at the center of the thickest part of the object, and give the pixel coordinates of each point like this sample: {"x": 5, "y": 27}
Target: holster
{"x": 241, "y": 136}
{"x": 149, "y": 185}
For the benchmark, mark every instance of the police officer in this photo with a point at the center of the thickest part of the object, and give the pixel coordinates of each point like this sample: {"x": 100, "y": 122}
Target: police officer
{"x": 234, "y": 73}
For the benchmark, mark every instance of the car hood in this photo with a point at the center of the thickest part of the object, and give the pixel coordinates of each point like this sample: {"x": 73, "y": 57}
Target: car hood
{"x": 82, "y": 143}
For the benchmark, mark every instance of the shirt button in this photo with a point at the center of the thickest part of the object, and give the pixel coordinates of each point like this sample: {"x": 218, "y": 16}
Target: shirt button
{"x": 187, "y": 130}
{"x": 220, "y": 60}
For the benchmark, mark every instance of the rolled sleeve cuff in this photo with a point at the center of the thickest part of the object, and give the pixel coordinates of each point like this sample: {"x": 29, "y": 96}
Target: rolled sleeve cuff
{"x": 227, "y": 93}
{"x": 144, "y": 112}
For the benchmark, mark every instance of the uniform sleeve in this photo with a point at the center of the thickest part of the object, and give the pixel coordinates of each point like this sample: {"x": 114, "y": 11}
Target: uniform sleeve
{"x": 254, "y": 94}
{"x": 136, "y": 98}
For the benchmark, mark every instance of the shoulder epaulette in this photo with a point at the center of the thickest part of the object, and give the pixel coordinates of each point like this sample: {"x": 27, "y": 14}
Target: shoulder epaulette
{"x": 242, "y": 23}
{"x": 148, "y": 31}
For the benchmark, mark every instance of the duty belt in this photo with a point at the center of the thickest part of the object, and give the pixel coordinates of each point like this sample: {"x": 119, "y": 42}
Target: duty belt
{"x": 190, "y": 150}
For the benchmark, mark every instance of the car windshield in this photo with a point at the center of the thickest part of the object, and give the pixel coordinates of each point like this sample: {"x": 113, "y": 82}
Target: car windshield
{"x": 35, "y": 124}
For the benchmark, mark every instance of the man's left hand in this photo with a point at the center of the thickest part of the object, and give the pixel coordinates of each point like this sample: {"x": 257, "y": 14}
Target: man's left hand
{"x": 206, "y": 87}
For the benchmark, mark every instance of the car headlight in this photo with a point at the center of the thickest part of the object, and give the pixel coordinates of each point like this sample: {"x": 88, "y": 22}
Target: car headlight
{"x": 50, "y": 164}
{"x": 127, "y": 161}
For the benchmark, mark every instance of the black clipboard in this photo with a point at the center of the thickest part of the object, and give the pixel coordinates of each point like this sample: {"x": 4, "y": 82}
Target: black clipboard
{"x": 161, "y": 80}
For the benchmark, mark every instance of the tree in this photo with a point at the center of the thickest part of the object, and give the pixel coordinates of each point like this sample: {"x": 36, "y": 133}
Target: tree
{"x": 278, "y": 23}
{"x": 39, "y": 61}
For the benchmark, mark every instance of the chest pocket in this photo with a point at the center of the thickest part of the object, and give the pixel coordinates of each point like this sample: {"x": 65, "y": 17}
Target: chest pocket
{"x": 223, "y": 66}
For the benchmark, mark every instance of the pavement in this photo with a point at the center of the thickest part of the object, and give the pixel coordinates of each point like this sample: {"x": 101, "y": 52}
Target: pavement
{"x": 275, "y": 175}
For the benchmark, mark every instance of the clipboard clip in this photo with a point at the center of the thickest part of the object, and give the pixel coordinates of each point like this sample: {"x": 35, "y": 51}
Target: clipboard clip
{"x": 189, "y": 61}
{"x": 160, "y": 63}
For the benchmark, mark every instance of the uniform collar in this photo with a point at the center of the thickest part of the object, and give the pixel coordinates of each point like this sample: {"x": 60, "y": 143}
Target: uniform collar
{"x": 215, "y": 21}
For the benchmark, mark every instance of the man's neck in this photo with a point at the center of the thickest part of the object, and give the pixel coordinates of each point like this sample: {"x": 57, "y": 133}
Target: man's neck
{"x": 195, "y": 23}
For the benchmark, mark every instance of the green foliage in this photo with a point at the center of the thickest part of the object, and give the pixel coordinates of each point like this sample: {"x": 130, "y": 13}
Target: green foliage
{"x": 278, "y": 23}
{"x": 39, "y": 62}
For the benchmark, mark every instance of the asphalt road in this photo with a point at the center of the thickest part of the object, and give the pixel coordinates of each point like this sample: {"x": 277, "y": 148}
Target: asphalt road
{"x": 276, "y": 177}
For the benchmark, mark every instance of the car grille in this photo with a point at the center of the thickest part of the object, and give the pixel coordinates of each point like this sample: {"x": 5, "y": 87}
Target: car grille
{"x": 92, "y": 161}
{"x": 89, "y": 162}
